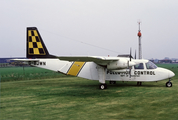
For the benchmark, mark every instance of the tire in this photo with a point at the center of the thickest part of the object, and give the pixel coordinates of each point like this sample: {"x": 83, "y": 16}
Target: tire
{"x": 169, "y": 84}
{"x": 103, "y": 86}
{"x": 112, "y": 82}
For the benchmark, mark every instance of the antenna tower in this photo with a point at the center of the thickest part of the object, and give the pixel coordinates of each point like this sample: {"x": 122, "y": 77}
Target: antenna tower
{"x": 139, "y": 41}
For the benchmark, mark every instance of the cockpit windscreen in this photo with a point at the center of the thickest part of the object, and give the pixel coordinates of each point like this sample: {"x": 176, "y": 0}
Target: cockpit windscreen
{"x": 150, "y": 65}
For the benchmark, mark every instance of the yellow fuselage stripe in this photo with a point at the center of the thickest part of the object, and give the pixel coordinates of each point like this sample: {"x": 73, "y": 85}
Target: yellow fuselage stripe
{"x": 75, "y": 68}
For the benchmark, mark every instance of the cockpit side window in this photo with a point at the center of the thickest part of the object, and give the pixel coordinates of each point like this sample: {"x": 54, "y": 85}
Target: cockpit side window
{"x": 139, "y": 66}
{"x": 150, "y": 65}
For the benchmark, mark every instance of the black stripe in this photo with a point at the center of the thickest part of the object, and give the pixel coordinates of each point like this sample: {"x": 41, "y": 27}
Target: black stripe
{"x": 30, "y": 39}
{"x": 35, "y": 45}
{"x": 32, "y": 33}
{"x": 70, "y": 67}
{"x": 31, "y": 50}
{"x": 41, "y": 50}
{"x": 37, "y": 39}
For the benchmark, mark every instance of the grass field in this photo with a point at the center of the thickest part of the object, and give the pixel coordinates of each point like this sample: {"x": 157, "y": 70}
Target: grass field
{"x": 77, "y": 98}
{"x": 26, "y": 73}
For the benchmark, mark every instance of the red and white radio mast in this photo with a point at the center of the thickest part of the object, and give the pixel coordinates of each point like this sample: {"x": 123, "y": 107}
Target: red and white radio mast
{"x": 139, "y": 42}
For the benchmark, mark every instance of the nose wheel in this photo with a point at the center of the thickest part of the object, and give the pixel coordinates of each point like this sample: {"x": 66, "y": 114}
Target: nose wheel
{"x": 169, "y": 83}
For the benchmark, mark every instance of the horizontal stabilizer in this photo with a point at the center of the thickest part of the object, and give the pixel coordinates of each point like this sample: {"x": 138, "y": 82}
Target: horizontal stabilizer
{"x": 26, "y": 60}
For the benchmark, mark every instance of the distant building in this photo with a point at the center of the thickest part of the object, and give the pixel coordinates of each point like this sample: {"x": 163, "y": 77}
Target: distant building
{"x": 3, "y": 60}
{"x": 165, "y": 61}
{"x": 7, "y": 62}
{"x": 175, "y": 61}
{"x": 154, "y": 60}
{"x": 125, "y": 55}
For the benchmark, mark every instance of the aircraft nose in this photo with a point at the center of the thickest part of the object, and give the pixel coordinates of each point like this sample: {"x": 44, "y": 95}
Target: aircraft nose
{"x": 171, "y": 74}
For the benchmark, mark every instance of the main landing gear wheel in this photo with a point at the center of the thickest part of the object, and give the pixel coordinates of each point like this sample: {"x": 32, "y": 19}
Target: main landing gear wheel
{"x": 139, "y": 83}
{"x": 112, "y": 82}
{"x": 103, "y": 86}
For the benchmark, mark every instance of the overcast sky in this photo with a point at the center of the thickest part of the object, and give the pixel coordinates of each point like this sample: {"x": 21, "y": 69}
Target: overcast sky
{"x": 91, "y": 27}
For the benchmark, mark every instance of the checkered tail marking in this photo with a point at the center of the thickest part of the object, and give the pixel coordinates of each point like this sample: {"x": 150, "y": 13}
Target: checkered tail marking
{"x": 35, "y": 46}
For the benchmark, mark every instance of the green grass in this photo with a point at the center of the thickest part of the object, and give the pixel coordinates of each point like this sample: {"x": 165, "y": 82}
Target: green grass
{"x": 27, "y": 73}
{"x": 76, "y": 98}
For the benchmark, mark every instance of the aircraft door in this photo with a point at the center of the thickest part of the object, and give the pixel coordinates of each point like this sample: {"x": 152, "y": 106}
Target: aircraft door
{"x": 138, "y": 72}
{"x": 107, "y": 75}
{"x": 130, "y": 74}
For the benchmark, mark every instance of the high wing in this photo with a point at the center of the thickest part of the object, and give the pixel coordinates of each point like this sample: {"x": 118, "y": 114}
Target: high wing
{"x": 97, "y": 59}
{"x": 112, "y": 63}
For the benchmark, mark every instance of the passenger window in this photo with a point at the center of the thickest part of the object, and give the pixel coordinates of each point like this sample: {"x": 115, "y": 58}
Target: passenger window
{"x": 139, "y": 66}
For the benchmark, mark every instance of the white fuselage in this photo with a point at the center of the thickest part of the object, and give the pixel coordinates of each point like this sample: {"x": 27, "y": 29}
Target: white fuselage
{"x": 90, "y": 70}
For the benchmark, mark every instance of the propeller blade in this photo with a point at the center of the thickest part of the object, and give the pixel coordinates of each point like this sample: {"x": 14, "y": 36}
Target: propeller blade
{"x": 130, "y": 61}
{"x": 128, "y": 64}
{"x": 130, "y": 53}
{"x": 135, "y": 55}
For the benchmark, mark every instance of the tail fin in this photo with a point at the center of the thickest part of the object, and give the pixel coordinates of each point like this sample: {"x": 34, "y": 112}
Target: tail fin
{"x": 35, "y": 45}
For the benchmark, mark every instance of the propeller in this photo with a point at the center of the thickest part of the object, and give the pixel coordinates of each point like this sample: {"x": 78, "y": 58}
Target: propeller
{"x": 135, "y": 55}
{"x": 130, "y": 53}
{"x": 130, "y": 61}
{"x": 129, "y": 58}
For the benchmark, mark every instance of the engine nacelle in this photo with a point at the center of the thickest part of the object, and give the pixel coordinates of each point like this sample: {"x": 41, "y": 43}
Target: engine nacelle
{"x": 116, "y": 65}
{"x": 120, "y": 64}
